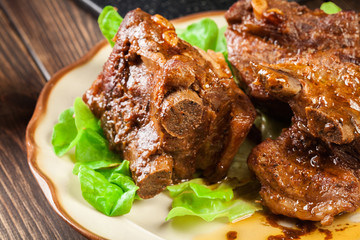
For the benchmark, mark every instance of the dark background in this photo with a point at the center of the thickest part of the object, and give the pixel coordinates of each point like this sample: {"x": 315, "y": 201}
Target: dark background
{"x": 174, "y": 9}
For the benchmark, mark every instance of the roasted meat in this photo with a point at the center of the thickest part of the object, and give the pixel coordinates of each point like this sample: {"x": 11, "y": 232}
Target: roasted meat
{"x": 270, "y": 31}
{"x": 303, "y": 177}
{"x": 319, "y": 156}
{"x": 309, "y": 60}
{"x": 322, "y": 89}
{"x": 168, "y": 107}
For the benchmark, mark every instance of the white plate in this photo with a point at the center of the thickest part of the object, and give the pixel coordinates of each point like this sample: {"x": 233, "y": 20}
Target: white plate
{"x": 147, "y": 218}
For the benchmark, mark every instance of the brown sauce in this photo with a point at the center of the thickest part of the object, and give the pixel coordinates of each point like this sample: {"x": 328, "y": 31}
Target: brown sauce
{"x": 328, "y": 234}
{"x": 231, "y": 235}
{"x": 263, "y": 225}
{"x": 301, "y": 228}
{"x": 343, "y": 228}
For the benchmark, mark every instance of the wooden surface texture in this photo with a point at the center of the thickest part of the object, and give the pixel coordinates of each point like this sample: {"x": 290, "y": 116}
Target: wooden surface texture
{"x": 38, "y": 38}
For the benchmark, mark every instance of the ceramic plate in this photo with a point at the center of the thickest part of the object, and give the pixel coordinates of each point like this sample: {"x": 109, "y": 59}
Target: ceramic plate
{"x": 147, "y": 218}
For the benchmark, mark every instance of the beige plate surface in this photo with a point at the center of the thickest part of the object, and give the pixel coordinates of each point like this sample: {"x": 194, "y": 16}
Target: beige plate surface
{"x": 147, "y": 218}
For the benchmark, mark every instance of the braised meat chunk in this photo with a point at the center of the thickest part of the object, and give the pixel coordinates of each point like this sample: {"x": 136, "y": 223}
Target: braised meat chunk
{"x": 322, "y": 89}
{"x": 303, "y": 177}
{"x": 168, "y": 107}
{"x": 271, "y": 31}
{"x": 309, "y": 60}
{"x": 319, "y": 156}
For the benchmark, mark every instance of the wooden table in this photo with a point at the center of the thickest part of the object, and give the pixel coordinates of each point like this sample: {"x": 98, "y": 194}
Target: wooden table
{"x": 38, "y": 38}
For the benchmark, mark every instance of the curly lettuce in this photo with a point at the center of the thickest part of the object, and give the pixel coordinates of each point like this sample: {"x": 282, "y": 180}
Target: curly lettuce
{"x": 109, "y": 22}
{"x": 330, "y": 8}
{"x": 207, "y": 202}
{"x": 105, "y": 179}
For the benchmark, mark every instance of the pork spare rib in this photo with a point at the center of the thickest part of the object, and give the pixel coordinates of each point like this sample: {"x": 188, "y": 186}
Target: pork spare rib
{"x": 309, "y": 60}
{"x": 270, "y": 31}
{"x": 321, "y": 151}
{"x": 303, "y": 177}
{"x": 168, "y": 107}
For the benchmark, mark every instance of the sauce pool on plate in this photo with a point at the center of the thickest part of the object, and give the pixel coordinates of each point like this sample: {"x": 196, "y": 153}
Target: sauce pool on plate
{"x": 265, "y": 226}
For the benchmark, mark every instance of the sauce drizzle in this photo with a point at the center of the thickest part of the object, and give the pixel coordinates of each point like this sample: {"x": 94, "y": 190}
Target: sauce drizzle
{"x": 302, "y": 228}
{"x": 231, "y": 235}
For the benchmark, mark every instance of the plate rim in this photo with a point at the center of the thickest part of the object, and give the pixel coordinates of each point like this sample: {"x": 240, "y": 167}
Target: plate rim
{"x": 47, "y": 186}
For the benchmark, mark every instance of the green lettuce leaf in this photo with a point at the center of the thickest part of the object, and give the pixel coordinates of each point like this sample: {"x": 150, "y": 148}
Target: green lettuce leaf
{"x": 208, "y": 202}
{"x": 330, "y": 8}
{"x": 105, "y": 180}
{"x": 73, "y": 124}
{"x": 106, "y": 168}
{"x": 109, "y": 22}
{"x": 112, "y": 196}
{"x": 206, "y": 35}
{"x": 203, "y": 34}
{"x": 84, "y": 118}
{"x": 223, "y": 192}
{"x": 123, "y": 168}
{"x": 221, "y": 44}
{"x": 64, "y": 133}
{"x": 92, "y": 146}
{"x": 96, "y": 165}
{"x": 124, "y": 204}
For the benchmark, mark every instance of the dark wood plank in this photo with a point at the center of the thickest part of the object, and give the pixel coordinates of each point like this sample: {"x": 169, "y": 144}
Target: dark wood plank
{"x": 55, "y": 33}
{"x": 24, "y": 211}
{"x": 59, "y": 32}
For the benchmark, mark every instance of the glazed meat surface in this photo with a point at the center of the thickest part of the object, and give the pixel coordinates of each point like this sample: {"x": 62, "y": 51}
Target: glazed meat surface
{"x": 308, "y": 60}
{"x": 303, "y": 177}
{"x": 314, "y": 174}
{"x": 278, "y": 30}
{"x": 322, "y": 89}
{"x": 168, "y": 107}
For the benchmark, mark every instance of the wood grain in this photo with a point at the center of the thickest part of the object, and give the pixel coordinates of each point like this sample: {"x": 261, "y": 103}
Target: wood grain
{"x": 58, "y": 32}
{"x": 24, "y": 211}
